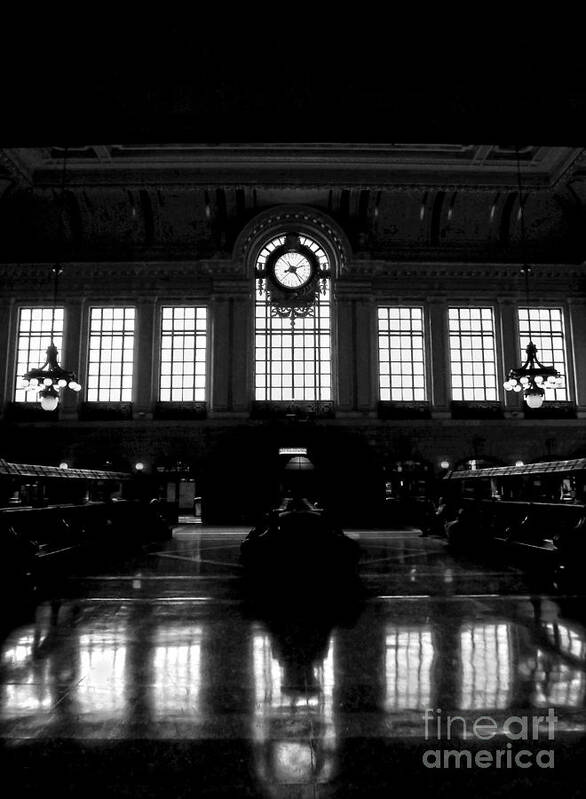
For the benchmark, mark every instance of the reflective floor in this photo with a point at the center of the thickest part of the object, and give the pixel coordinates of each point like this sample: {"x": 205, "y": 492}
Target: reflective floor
{"x": 159, "y": 679}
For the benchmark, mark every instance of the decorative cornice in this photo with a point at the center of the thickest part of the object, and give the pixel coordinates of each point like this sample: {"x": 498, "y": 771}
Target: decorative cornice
{"x": 225, "y": 279}
{"x": 79, "y": 277}
{"x": 455, "y": 271}
{"x": 15, "y": 169}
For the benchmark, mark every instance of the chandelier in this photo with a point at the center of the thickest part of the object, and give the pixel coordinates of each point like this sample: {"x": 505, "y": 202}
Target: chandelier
{"x": 532, "y": 378}
{"x": 50, "y": 378}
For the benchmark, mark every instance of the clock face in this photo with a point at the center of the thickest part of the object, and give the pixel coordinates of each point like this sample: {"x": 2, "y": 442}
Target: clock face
{"x": 292, "y": 270}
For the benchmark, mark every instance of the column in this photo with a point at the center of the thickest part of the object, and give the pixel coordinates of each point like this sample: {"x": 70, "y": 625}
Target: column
{"x": 345, "y": 354}
{"x": 231, "y": 349}
{"x": 241, "y": 321}
{"x": 220, "y": 354}
{"x": 356, "y": 349}
{"x": 144, "y": 373}
{"x": 439, "y": 361}
{"x": 6, "y": 381}
{"x": 70, "y": 358}
{"x": 509, "y": 353}
{"x": 365, "y": 352}
{"x": 575, "y": 344}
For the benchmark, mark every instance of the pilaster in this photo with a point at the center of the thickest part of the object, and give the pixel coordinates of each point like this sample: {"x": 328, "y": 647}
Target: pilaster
{"x": 144, "y": 392}
{"x": 439, "y": 361}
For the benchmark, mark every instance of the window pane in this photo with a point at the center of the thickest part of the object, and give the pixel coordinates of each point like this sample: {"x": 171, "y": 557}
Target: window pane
{"x": 34, "y": 336}
{"x": 401, "y": 354}
{"x": 111, "y": 354}
{"x": 545, "y": 327}
{"x": 183, "y": 354}
{"x": 472, "y": 354}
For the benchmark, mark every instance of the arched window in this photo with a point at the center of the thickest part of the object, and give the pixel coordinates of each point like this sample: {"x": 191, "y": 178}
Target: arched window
{"x": 293, "y": 319}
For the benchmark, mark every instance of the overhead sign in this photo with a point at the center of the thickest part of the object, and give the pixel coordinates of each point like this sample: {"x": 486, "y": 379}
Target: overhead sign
{"x": 293, "y": 451}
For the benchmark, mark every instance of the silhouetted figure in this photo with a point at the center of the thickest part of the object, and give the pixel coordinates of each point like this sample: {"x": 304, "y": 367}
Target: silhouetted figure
{"x": 295, "y": 546}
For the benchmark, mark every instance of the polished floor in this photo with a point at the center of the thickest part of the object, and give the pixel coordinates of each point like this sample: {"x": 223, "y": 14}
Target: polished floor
{"x": 160, "y": 678}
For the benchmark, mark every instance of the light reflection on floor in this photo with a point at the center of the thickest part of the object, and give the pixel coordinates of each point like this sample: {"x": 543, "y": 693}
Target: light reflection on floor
{"x": 167, "y": 651}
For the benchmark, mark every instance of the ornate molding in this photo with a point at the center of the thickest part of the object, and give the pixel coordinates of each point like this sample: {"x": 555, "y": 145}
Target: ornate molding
{"x": 302, "y": 219}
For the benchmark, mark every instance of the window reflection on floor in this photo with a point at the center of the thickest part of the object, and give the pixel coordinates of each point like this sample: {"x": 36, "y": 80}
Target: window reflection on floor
{"x": 176, "y": 688}
{"x": 102, "y": 660}
{"x": 408, "y": 659}
{"x": 486, "y": 666}
{"x": 28, "y": 688}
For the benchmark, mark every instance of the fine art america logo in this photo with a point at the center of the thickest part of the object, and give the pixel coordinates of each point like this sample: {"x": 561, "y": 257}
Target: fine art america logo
{"x": 511, "y": 754}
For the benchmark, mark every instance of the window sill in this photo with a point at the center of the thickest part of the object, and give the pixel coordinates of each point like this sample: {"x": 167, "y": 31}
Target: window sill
{"x": 105, "y": 411}
{"x": 180, "y": 410}
{"x": 293, "y": 410}
{"x": 403, "y": 410}
{"x": 476, "y": 410}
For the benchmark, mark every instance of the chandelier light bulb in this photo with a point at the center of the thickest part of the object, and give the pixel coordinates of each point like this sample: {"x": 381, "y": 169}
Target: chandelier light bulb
{"x": 34, "y": 382}
{"x": 62, "y": 383}
{"x": 534, "y": 398}
{"x": 49, "y": 402}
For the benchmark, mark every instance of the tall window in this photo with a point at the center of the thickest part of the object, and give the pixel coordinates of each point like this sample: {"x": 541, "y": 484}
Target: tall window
{"x": 34, "y": 336}
{"x": 545, "y": 327}
{"x": 401, "y": 354}
{"x": 111, "y": 355}
{"x": 293, "y": 354}
{"x": 183, "y": 354}
{"x": 472, "y": 354}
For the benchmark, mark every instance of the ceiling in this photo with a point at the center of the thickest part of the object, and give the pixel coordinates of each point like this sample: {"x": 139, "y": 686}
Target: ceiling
{"x": 292, "y": 164}
{"x": 165, "y": 159}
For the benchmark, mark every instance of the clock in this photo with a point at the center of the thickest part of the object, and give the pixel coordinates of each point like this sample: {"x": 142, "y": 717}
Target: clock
{"x": 292, "y": 270}
{"x": 293, "y": 275}
{"x": 292, "y": 267}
